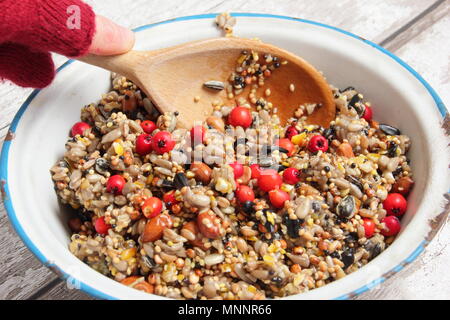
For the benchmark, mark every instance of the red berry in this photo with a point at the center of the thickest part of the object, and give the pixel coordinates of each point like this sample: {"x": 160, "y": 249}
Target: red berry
{"x": 115, "y": 184}
{"x": 245, "y": 193}
{"x": 240, "y": 116}
{"x": 169, "y": 198}
{"x": 318, "y": 143}
{"x": 148, "y": 126}
{"x": 198, "y": 135}
{"x": 290, "y": 132}
{"x": 395, "y": 204}
{"x": 269, "y": 180}
{"x": 79, "y": 128}
{"x": 369, "y": 227}
{"x": 163, "y": 142}
{"x": 291, "y": 176}
{"x": 151, "y": 207}
{"x": 278, "y": 198}
{"x": 287, "y": 145}
{"x": 101, "y": 227}
{"x": 368, "y": 113}
{"x": 238, "y": 169}
{"x": 256, "y": 170}
{"x": 144, "y": 144}
{"x": 392, "y": 226}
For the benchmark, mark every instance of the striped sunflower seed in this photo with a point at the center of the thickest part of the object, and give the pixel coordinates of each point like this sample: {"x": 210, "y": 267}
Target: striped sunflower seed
{"x": 215, "y": 85}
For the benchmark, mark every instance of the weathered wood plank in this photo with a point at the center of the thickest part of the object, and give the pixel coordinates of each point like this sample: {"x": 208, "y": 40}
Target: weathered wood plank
{"x": 366, "y": 18}
{"x": 62, "y": 292}
{"x": 429, "y": 17}
{"x": 428, "y": 53}
{"x": 21, "y": 273}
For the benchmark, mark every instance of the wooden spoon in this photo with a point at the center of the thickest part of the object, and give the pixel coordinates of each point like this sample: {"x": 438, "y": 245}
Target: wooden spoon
{"x": 172, "y": 77}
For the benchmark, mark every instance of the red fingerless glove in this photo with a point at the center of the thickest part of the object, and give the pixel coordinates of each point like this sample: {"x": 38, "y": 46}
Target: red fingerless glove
{"x": 31, "y": 29}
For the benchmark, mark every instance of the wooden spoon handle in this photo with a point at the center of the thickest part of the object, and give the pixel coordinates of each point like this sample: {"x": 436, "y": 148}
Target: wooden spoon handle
{"x": 124, "y": 64}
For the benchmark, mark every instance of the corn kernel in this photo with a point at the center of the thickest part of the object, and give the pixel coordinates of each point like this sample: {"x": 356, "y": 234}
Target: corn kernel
{"x": 251, "y": 289}
{"x": 128, "y": 254}
{"x": 118, "y": 148}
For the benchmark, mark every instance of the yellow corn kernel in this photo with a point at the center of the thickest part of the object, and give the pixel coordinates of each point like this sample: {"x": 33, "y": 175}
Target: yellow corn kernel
{"x": 241, "y": 59}
{"x": 272, "y": 248}
{"x": 128, "y": 253}
{"x": 222, "y": 185}
{"x": 149, "y": 179}
{"x": 84, "y": 140}
{"x": 360, "y": 159}
{"x": 299, "y": 138}
{"x": 373, "y": 157}
{"x": 139, "y": 184}
{"x": 270, "y": 218}
{"x": 287, "y": 187}
{"x": 268, "y": 259}
{"x": 118, "y": 148}
{"x": 251, "y": 289}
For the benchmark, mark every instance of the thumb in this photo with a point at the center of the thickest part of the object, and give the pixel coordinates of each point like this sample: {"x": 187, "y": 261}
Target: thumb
{"x": 110, "y": 38}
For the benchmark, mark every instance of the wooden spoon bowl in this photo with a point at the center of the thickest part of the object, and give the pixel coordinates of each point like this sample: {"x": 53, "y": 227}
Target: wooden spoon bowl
{"x": 173, "y": 77}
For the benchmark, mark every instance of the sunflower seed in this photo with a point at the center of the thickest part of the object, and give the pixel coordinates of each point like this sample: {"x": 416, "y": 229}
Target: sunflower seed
{"x": 180, "y": 180}
{"x": 389, "y": 130}
{"x": 214, "y": 85}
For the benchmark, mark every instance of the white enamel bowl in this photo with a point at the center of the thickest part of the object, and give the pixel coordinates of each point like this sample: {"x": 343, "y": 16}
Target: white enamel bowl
{"x": 400, "y": 97}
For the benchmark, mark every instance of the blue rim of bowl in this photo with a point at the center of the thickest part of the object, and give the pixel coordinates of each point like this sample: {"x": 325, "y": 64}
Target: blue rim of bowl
{"x": 98, "y": 294}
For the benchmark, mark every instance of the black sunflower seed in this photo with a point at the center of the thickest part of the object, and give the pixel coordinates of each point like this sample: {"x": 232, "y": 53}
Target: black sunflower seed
{"x": 330, "y": 133}
{"x": 347, "y": 89}
{"x": 293, "y": 226}
{"x": 353, "y": 103}
{"x": 269, "y": 227}
{"x": 389, "y": 130}
{"x": 346, "y": 207}
{"x": 266, "y": 149}
{"x": 149, "y": 261}
{"x": 280, "y": 167}
{"x": 167, "y": 184}
{"x": 397, "y": 171}
{"x": 248, "y": 207}
{"x": 392, "y": 149}
{"x": 348, "y": 258}
{"x": 356, "y": 98}
{"x": 356, "y": 182}
{"x": 101, "y": 165}
{"x": 180, "y": 180}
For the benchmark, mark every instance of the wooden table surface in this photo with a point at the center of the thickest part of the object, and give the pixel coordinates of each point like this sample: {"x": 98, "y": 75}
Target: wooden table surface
{"x": 414, "y": 30}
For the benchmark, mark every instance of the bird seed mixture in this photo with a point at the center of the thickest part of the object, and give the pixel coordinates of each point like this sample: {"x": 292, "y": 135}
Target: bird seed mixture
{"x": 238, "y": 207}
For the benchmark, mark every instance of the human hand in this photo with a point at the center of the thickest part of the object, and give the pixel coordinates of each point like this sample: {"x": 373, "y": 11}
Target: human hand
{"x": 110, "y": 38}
{"x": 31, "y": 30}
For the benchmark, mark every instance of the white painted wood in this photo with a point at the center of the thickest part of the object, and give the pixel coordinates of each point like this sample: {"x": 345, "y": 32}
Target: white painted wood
{"x": 21, "y": 274}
